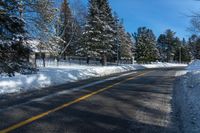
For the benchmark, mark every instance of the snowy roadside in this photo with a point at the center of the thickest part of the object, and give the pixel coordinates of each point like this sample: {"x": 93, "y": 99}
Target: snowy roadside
{"x": 187, "y": 99}
{"x": 56, "y": 76}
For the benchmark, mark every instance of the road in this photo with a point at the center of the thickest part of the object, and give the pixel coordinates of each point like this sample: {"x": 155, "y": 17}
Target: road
{"x": 136, "y": 102}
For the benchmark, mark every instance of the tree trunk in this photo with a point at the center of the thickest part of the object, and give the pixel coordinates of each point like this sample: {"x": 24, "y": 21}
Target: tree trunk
{"x": 57, "y": 61}
{"x": 43, "y": 59}
{"x": 88, "y": 60}
{"x": 104, "y": 60}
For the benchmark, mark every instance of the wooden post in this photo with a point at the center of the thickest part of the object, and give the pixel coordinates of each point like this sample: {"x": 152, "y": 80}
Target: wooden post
{"x": 32, "y": 59}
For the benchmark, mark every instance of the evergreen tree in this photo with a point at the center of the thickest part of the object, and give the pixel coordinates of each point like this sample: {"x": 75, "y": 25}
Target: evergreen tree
{"x": 13, "y": 53}
{"x": 171, "y": 48}
{"x": 146, "y": 50}
{"x": 67, "y": 28}
{"x": 99, "y": 32}
{"x": 167, "y": 45}
{"x": 162, "y": 47}
{"x": 79, "y": 12}
{"x": 125, "y": 43}
{"x": 130, "y": 41}
{"x": 184, "y": 42}
{"x": 10, "y": 23}
{"x": 116, "y": 45}
{"x": 186, "y": 54}
{"x": 194, "y": 46}
{"x": 177, "y": 48}
{"x": 182, "y": 52}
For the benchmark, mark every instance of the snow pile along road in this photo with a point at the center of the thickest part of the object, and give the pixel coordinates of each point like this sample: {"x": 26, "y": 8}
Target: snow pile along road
{"x": 194, "y": 66}
{"x": 55, "y": 76}
{"x": 187, "y": 99}
{"x": 163, "y": 65}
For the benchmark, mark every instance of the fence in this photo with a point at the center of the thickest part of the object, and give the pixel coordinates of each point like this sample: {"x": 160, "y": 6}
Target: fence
{"x": 76, "y": 61}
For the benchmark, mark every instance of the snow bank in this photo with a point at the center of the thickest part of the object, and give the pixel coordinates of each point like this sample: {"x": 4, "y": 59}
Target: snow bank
{"x": 187, "y": 95}
{"x": 163, "y": 65}
{"x": 55, "y": 76}
{"x": 194, "y": 66}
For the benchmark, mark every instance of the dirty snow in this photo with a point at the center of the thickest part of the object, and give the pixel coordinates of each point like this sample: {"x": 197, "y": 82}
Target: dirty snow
{"x": 194, "y": 66}
{"x": 52, "y": 76}
{"x": 187, "y": 99}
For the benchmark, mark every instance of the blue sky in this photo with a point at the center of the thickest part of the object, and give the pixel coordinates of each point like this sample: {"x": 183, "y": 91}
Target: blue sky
{"x": 158, "y": 15}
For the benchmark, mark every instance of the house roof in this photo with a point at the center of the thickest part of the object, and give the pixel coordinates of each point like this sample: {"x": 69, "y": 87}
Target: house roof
{"x": 36, "y": 46}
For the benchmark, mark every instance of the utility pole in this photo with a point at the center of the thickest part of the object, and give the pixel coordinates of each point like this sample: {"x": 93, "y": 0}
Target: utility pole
{"x": 180, "y": 58}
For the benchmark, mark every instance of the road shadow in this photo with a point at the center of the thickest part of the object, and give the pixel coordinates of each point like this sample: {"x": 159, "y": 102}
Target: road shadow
{"x": 138, "y": 106}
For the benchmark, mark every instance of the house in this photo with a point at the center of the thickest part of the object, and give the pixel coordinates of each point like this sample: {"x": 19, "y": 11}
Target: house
{"x": 38, "y": 52}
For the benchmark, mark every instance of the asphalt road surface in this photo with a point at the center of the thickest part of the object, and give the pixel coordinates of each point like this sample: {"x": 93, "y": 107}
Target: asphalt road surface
{"x": 136, "y": 102}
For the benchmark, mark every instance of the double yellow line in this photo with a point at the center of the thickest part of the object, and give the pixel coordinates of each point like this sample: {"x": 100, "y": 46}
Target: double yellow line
{"x": 37, "y": 117}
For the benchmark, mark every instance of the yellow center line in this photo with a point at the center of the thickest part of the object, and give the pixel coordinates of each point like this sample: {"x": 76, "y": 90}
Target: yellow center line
{"x": 37, "y": 117}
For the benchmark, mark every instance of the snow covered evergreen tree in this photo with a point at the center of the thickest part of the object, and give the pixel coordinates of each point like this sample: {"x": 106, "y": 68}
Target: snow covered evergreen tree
{"x": 130, "y": 43}
{"x": 162, "y": 47}
{"x": 182, "y": 53}
{"x": 11, "y": 24}
{"x": 99, "y": 35}
{"x": 13, "y": 53}
{"x": 194, "y": 45}
{"x": 146, "y": 50}
{"x": 67, "y": 27}
{"x": 125, "y": 43}
{"x": 168, "y": 44}
{"x": 79, "y": 12}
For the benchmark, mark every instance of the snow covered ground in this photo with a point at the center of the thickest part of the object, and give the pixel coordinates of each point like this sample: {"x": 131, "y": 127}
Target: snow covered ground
{"x": 52, "y": 76}
{"x": 187, "y": 99}
{"x": 163, "y": 65}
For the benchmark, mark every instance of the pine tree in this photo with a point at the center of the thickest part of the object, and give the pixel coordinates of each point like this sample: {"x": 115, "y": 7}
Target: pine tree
{"x": 185, "y": 54}
{"x": 91, "y": 34}
{"x": 11, "y": 25}
{"x": 67, "y": 28}
{"x": 125, "y": 42}
{"x": 130, "y": 43}
{"x": 182, "y": 53}
{"x": 184, "y": 42}
{"x": 162, "y": 47}
{"x": 99, "y": 32}
{"x": 167, "y": 44}
{"x": 146, "y": 50}
{"x": 109, "y": 30}
{"x": 79, "y": 12}
{"x": 13, "y": 53}
{"x": 178, "y": 49}
{"x": 194, "y": 46}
